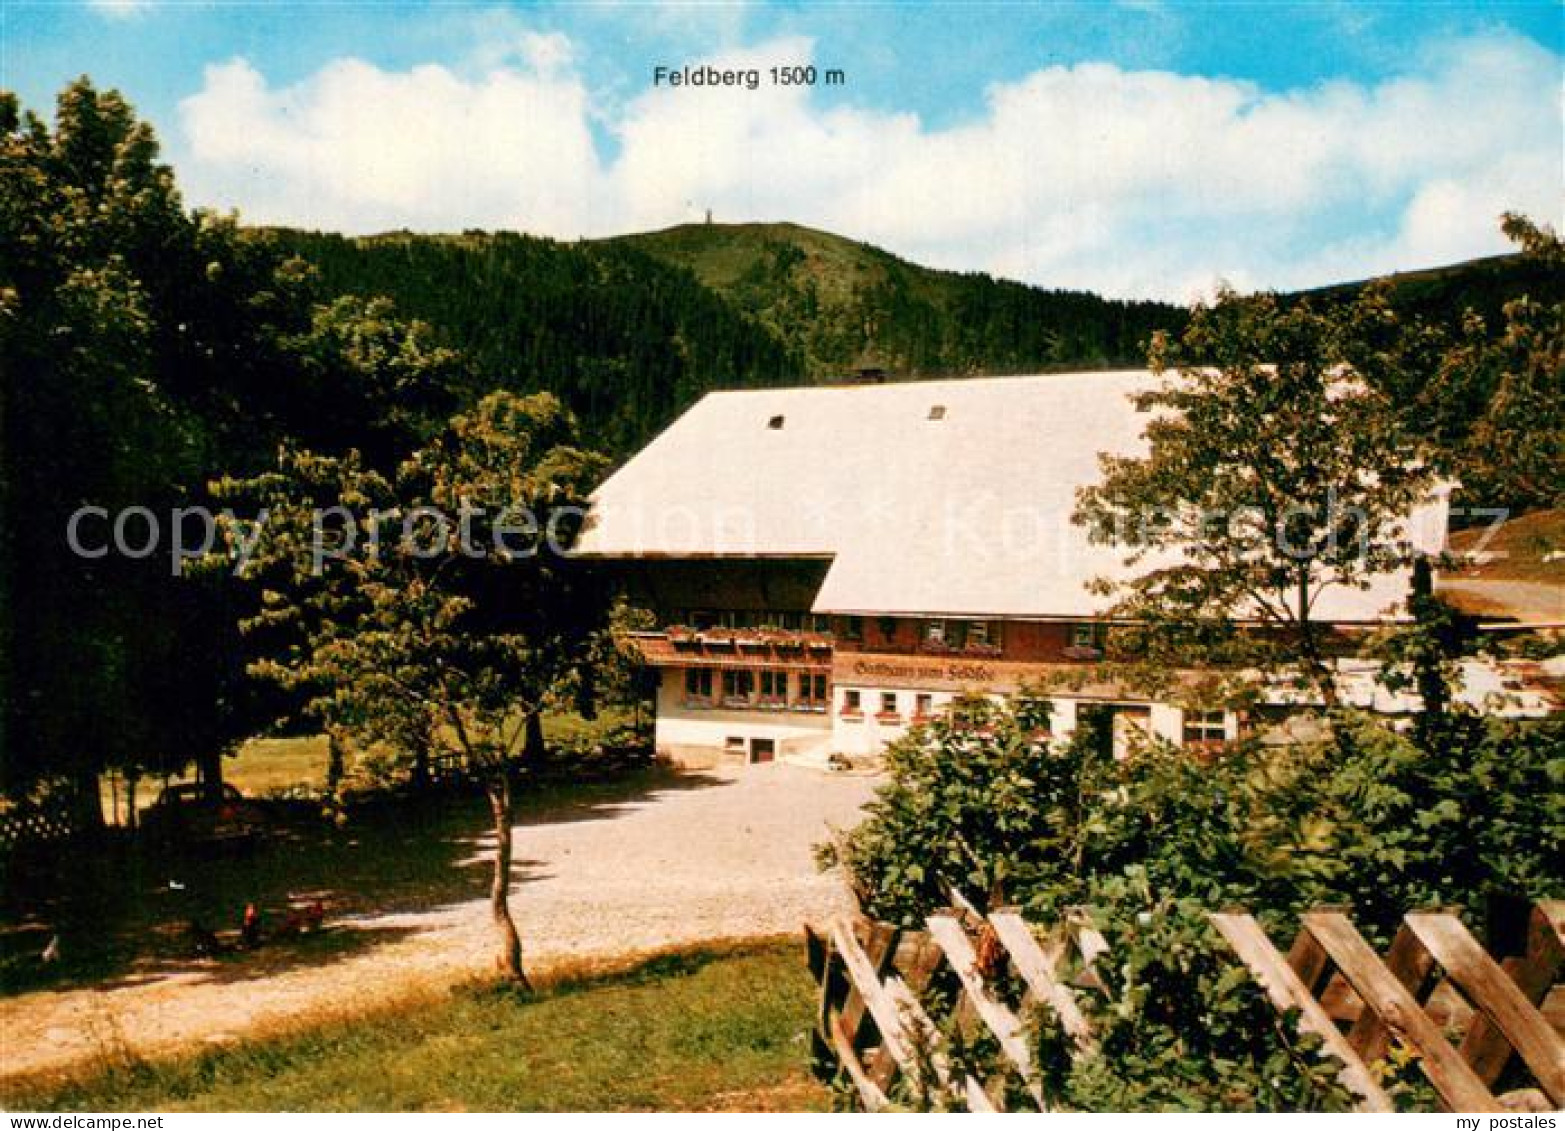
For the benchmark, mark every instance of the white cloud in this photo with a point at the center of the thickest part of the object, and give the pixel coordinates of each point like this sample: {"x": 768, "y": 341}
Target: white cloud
{"x": 360, "y": 149}
{"x": 1129, "y": 182}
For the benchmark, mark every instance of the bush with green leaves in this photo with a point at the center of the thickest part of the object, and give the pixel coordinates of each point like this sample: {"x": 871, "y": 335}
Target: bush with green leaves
{"x": 982, "y": 800}
{"x": 1181, "y": 1025}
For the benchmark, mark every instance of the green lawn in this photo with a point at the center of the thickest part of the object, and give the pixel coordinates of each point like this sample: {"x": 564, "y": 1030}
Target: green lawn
{"x": 722, "y": 1028}
{"x": 267, "y": 767}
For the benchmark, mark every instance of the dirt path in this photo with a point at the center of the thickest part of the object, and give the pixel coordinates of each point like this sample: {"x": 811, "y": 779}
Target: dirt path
{"x": 730, "y": 858}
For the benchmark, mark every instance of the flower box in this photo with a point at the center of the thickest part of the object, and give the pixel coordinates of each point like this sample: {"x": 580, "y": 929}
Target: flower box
{"x": 1082, "y": 652}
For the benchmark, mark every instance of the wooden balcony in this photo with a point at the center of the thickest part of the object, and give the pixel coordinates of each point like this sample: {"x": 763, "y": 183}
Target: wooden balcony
{"x": 736, "y": 648}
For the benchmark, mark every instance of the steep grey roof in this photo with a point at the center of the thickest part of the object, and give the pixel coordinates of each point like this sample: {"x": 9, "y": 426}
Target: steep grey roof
{"x": 930, "y": 497}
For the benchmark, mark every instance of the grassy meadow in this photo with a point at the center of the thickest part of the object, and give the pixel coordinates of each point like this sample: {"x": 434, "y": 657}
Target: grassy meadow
{"x": 722, "y": 1028}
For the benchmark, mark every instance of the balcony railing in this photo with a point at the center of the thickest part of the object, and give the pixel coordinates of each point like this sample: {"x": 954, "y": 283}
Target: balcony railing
{"x": 744, "y": 645}
{"x": 976, "y": 651}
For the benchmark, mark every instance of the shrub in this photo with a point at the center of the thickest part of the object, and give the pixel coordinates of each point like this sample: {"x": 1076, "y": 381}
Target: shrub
{"x": 1466, "y": 814}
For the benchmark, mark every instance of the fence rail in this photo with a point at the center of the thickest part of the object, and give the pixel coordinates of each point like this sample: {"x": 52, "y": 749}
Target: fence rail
{"x": 889, "y": 995}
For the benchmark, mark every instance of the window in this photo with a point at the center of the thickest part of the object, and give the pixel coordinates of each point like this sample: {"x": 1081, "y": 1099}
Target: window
{"x": 887, "y": 627}
{"x": 812, "y": 693}
{"x": 853, "y": 628}
{"x": 950, "y": 635}
{"x": 983, "y": 635}
{"x": 1204, "y": 728}
{"x": 888, "y": 702}
{"x": 1034, "y": 714}
{"x": 774, "y": 688}
{"x": 734, "y": 744}
{"x": 698, "y": 685}
{"x": 923, "y": 705}
{"x": 937, "y": 412}
{"x": 1084, "y": 636}
{"x": 852, "y": 703}
{"x": 775, "y": 423}
{"x": 737, "y": 687}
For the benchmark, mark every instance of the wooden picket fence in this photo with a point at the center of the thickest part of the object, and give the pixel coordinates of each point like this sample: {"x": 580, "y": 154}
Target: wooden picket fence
{"x": 891, "y": 999}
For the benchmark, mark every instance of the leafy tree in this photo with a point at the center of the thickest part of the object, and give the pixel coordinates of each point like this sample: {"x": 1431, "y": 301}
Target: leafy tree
{"x": 82, "y": 208}
{"x": 444, "y": 607}
{"x": 1514, "y": 454}
{"x": 374, "y": 382}
{"x": 1277, "y": 469}
{"x": 147, "y": 349}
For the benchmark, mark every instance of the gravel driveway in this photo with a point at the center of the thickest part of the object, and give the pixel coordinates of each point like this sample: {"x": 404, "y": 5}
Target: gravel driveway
{"x": 711, "y": 856}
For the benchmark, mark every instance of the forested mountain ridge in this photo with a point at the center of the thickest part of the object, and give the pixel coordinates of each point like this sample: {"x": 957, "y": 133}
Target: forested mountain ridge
{"x": 837, "y": 301}
{"x": 1443, "y": 295}
{"x": 627, "y": 341}
{"x": 630, "y": 331}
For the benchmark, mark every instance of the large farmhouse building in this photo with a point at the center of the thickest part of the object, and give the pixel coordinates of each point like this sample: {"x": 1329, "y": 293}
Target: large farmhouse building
{"x": 830, "y": 565}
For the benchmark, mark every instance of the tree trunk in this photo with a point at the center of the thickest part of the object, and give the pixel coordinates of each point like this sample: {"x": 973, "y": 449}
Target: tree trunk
{"x": 209, "y": 773}
{"x": 420, "y": 771}
{"x": 86, "y": 802}
{"x": 1323, "y": 675}
{"x": 1432, "y": 646}
{"x": 132, "y": 817}
{"x": 509, "y": 957}
{"x": 534, "y": 749}
{"x": 334, "y": 761}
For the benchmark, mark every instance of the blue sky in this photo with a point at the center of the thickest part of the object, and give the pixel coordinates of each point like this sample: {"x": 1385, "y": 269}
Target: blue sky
{"x": 1143, "y": 148}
